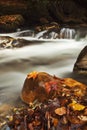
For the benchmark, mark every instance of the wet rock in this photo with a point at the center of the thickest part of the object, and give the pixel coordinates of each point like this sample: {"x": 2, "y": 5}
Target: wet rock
{"x": 6, "y": 42}
{"x": 81, "y": 63}
{"x": 49, "y": 27}
{"x": 53, "y": 31}
{"x": 49, "y": 31}
{"x": 10, "y": 22}
{"x": 10, "y": 42}
{"x": 42, "y": 86}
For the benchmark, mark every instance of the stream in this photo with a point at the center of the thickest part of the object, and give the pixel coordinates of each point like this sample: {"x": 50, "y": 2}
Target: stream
{"x": 54, "y": 56}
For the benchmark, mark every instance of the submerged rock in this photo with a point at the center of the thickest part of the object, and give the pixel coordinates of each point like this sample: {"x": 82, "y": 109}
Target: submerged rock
{"x": 6, "y": 41}
{"x": 81, "y": 63}
{"x": 11, "y": 42}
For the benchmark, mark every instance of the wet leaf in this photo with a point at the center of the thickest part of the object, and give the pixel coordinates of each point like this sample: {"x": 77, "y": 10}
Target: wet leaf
{"x": 83, "y": 118}
{"x": 32, "y": 75}
{"x": 55, "y": 121}
{"x": 60, "y": 111}
{"x": 47, "y": 87}
{"x": 76, "y": 106}
{"x": 36, "y": 123}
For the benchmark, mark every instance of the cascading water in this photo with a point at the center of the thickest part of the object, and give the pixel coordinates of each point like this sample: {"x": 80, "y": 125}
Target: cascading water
{"x": 64, "y": 33}
{"x": 67, "y": 33}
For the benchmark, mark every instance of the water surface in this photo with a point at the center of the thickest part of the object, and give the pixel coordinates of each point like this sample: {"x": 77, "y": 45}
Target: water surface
{"x": 54, "y": 56}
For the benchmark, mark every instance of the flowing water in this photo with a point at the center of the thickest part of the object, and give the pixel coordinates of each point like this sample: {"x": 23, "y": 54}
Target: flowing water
{"x": 54, "y": 56}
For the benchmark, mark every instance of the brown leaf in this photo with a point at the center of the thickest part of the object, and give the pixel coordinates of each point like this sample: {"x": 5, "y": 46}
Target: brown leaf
{"x": 60, "y": 111}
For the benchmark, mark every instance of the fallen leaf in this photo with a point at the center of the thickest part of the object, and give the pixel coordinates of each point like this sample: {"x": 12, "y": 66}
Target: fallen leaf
{"x": 76, "y": 106}
{"x": 60, "y": 111}
{"x": 32, "y": 75}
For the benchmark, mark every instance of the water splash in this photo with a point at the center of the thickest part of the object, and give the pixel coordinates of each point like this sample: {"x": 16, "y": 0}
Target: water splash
{"x": 40, "y": 34}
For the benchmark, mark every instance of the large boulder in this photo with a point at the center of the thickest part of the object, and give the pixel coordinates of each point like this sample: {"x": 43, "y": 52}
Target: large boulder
{"x": 81, "y": 63}
{"x": 42, "y": 86}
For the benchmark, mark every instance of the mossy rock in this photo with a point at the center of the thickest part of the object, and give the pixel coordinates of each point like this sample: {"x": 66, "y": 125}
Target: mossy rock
{"x": 10, "y": 22}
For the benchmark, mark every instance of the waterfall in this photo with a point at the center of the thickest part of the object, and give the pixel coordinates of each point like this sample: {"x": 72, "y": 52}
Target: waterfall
{"x": 64, "y": 33}
{"x": 67, "y": 33}
{"x": 40, "y": 34}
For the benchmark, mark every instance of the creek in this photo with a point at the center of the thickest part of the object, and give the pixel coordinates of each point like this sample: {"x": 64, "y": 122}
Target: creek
{"x": 54, "y": 56}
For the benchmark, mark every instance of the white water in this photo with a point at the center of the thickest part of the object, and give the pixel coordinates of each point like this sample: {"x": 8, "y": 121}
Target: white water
{"x": 67, "y": 33}
{"x": 56, "y": 57}
{"x": 64, "y": 33}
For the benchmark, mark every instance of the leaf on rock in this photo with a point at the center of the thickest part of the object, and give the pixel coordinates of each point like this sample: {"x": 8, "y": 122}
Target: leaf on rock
{"x": 60, "y": 111}
{"x": 47, "y": 87}
{"x": 83, "y": 118}
{"x": 76, "y": 106}
{"x": 32, "y": 75}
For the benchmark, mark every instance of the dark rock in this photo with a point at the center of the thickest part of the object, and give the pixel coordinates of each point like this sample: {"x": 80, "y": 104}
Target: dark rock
{"x": 44, "y": 20}
{"x": 10, "y": 22}
{"x": 81, "y": 63}
{"x": 51, "y": 26}
{"x": 82, "y": 3}
{"x": 9, "y": 7}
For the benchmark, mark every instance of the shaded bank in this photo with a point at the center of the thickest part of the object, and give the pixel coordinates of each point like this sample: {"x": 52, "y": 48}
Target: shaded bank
{"x": 37, "y": 12}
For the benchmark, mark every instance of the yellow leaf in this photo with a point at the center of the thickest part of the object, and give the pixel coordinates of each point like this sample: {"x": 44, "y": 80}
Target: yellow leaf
{"x": 32, "y": 75}
{"x": 60, "y": 111}
{"x": 76, "y": 106}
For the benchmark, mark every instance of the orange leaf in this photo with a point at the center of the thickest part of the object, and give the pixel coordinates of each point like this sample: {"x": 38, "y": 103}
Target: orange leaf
{"x": 60, "y": 111}
{"x": 32, "y": 75}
